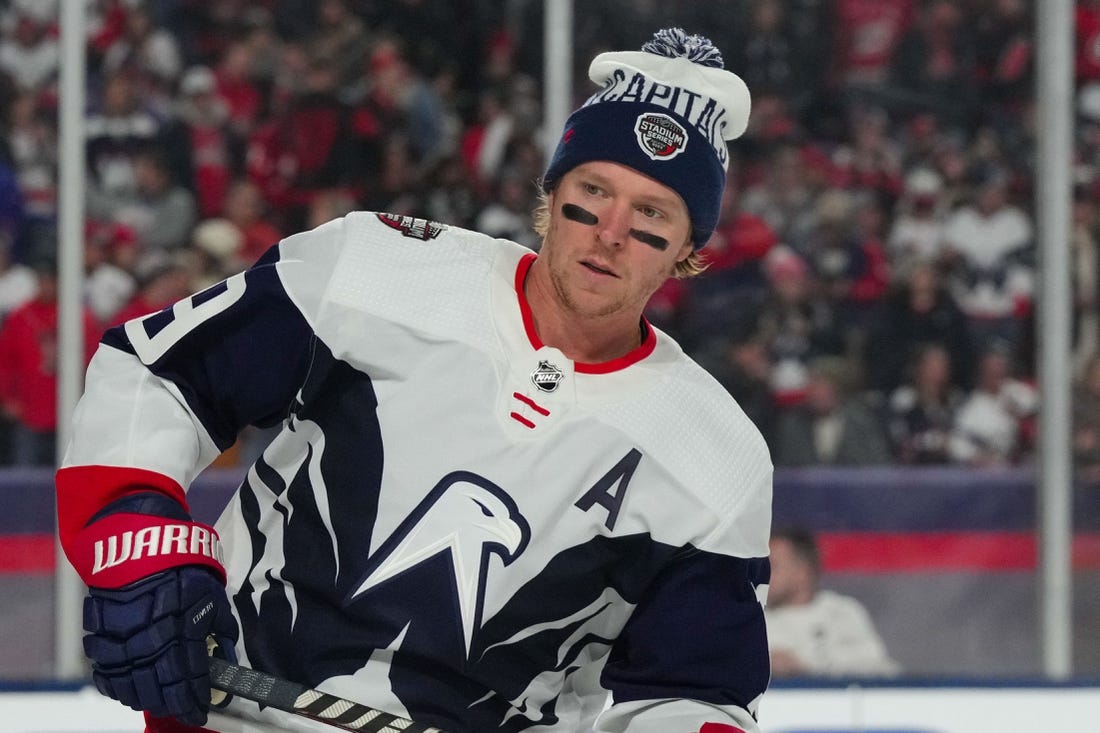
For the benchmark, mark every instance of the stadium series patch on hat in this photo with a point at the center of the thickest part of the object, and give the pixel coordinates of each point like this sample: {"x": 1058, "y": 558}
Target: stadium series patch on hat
{"x": 661, "y": 137}
{"x": 666, "y": 111}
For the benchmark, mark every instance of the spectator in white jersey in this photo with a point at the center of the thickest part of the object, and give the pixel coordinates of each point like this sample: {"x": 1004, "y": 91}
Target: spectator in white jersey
{"x": 813, "y": 631}
{"x": 995, "y": 425}
{"x": 500, "y": 499}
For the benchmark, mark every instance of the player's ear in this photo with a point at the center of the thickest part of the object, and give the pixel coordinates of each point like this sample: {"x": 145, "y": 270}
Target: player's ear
{"x": 685, "y": 250}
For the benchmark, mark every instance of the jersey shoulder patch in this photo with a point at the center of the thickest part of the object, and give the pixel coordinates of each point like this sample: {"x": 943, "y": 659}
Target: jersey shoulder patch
{"x": 411, "y": 227}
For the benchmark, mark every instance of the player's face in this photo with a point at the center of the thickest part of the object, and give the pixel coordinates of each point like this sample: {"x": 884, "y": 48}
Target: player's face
{"x": 614, "y": 237}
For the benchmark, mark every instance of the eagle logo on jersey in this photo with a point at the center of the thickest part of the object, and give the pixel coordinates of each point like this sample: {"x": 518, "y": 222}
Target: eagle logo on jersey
{"x": 470, "y": 519}
{"x": 411, "y": 227}
{"x": 661, "y": 137}
{"x": 546, "y": 376}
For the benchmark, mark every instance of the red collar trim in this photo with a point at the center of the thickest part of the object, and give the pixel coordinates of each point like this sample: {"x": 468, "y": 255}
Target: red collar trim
{"x": 649, "y": 343}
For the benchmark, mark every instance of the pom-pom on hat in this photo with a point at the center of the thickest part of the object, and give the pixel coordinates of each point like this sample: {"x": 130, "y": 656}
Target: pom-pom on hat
{"x": 666, "y": 111}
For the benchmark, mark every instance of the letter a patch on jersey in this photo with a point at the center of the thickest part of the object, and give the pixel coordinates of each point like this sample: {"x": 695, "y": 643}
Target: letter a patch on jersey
{"x": 600, "y": 493}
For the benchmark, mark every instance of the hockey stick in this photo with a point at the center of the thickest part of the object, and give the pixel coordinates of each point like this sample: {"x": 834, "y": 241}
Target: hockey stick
{"x": 298, "y": 699}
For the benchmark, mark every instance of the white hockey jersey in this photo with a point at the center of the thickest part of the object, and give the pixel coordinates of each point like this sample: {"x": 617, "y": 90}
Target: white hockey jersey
{"x": 457, "y": 523}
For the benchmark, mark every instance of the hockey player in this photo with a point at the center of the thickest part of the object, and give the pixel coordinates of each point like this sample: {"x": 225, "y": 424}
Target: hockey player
{"x": 500, "y": 500}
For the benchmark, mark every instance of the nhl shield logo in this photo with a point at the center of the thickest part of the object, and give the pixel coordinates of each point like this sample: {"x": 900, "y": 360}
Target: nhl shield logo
{"x": 547, "y": 376}
{"x": 660, "y": 136}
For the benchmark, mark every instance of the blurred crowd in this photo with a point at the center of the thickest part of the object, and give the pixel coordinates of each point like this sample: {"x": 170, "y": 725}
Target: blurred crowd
{"x": 871, "y": 288}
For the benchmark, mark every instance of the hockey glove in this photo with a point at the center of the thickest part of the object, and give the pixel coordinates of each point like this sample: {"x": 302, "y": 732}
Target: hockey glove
{"x": 147, "y": 641}
{"x": 156, "y": 592}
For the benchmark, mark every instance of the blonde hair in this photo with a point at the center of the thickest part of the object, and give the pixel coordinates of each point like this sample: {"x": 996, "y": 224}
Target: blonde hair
{"x": 690, "y": 266}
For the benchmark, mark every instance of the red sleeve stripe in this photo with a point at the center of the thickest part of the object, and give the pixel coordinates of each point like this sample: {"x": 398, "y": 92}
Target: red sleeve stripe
{"x": 84, "y": 490}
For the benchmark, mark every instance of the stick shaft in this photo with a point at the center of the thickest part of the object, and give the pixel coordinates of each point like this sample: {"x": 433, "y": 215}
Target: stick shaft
{"x": 292, "y": 697}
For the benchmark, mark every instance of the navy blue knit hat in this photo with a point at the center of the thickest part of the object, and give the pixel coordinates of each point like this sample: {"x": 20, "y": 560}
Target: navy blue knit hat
{"x": 666, "y": 111}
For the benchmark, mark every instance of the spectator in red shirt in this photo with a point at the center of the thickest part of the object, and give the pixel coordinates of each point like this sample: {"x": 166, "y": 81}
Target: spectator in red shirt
{"x": 871, "y": 161}
{"x": 199, "y": 141}
{"x": 28, "y": 370}
{"x": 874, "y": 280}
{"x": 236, "y": 88}
{"x": 868, "y": 34}
{"x": 162, "y": 280}
{"x": 741, "y": 237}
{"x": 317, "y": 143}
{"x": 729, "y": 292}
{"x": 17, "y": 281}
{"x": 1088, "y": 41}
{"x": 244, "y": 207}
{"x": 848, "y": 262}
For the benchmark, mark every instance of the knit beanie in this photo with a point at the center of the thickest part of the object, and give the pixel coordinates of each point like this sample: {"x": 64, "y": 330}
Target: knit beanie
{"x": 665, "y": 111}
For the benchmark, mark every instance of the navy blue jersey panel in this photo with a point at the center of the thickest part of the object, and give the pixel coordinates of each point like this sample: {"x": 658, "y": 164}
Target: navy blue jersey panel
{"x": 322, "y": 512}
{"x": 698, "y": 634}
{"x": 241, "y": 366}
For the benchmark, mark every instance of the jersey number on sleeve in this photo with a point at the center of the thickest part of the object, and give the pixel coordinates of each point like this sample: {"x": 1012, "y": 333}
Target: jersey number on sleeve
{"x": 182, "y": 318}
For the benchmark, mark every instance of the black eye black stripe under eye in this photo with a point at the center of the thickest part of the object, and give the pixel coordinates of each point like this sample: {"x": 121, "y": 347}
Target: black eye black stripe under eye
{"x": 586, "y": 217}
{"x": 579, "y": 215}
{"x": 649, "y": 238}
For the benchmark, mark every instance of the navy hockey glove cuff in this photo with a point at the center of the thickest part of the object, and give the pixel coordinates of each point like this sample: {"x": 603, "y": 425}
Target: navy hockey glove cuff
{"x": 148, "y": 641}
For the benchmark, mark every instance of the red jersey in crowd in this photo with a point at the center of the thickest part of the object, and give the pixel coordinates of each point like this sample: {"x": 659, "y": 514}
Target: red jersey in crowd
{"x": 744, "y": 238}
{"x": 1088, "y": 42}
{"x": 209, "y": 153}
{"x": 869, "y": 31}
{"x": 259, "y": 236}
{"x": 28, "y": 362}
